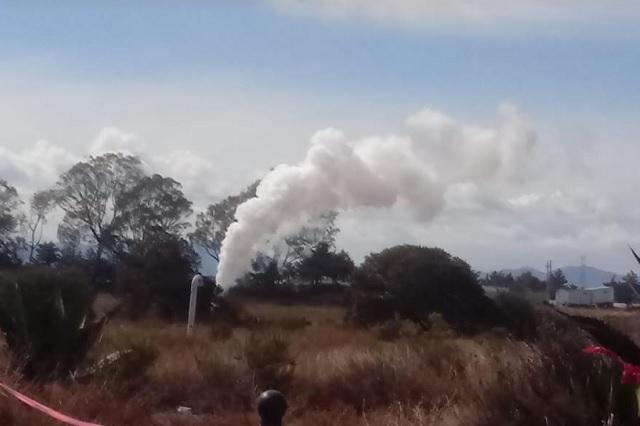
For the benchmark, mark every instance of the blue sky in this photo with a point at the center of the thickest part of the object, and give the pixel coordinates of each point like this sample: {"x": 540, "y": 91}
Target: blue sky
{"x": 231, "y": 88}
{"x": 253, "y": 42}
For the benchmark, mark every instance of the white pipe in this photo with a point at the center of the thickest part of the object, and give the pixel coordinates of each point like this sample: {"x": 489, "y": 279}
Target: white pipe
{"x": 196, "y": 282}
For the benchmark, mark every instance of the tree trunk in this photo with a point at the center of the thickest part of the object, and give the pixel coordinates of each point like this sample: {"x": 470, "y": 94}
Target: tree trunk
{"x": 96, "y": 263}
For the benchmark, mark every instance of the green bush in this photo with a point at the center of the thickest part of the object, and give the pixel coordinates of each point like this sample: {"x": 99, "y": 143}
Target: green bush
{"x": 415, "y": 282}
{"x": 45, "y": 315}
{"x": 156, "y": 278}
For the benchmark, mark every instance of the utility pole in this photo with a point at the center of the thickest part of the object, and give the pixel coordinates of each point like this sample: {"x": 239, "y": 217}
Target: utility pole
{"x": 583, "y": 271}
{"x": 549, "y": 267}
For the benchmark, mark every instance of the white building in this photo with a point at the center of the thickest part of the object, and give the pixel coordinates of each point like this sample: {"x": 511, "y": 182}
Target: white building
{"x": 585, "y": 296}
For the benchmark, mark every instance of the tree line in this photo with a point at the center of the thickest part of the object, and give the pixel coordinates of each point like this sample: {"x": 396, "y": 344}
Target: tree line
{"x": 131, "y": 231}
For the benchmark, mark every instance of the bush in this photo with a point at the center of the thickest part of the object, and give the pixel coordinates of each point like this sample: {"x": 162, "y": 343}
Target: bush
{"x": 269, "y": 359}
{"x": 157, "y": 276}
{"x": 419, "y": 281}
{"x": 389, "y": 331}
{"x": 220, "y": 331}
{"x": 126, "y": 367}
{"x": 371, "y": 309}
{"x": 520, "y": 315}
{"x": 290, "y": 323}
{"x": 45, "y": 315}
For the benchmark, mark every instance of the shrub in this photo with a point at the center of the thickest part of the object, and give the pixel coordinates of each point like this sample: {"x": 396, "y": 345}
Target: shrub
{"x": 126, "y": 367}
{"x": 220, "y": 331}
{"x": 371, "y": 309}
{"x": 421, "y": 280}
{"x": 389, "y": 331}
{"x": 291, "y": 323}
{"x": 269, "y": 359}
{"x": 45, "y": 315}
{"x": 157, "y": 275}
{"x": 520, "y": 315}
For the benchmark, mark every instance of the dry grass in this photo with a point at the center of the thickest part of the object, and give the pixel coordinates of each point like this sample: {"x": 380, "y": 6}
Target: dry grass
{"x": 335, "y": 375}
{"x": 625, "y": 320}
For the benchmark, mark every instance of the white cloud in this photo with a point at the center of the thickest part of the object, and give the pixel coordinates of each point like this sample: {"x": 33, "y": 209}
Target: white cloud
{"x": 571, "y": 201}
{"x": 112, "y": 139}
{"x": 466, "y": 15}
{"x": 34, "y": 167}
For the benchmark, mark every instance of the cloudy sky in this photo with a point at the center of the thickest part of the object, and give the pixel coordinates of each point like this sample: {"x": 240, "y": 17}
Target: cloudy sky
{"x": 216, "y": 93}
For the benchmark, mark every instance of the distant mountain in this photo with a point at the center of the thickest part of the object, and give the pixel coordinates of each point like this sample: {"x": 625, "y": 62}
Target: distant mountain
{"x": 594, "y": 277}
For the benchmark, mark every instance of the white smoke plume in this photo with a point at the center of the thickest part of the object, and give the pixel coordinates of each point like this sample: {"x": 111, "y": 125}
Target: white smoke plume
{"x": 412, "y": 171}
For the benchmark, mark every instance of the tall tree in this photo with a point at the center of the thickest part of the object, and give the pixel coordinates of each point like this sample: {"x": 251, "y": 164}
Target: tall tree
{"x": 10, "y": 218}
{"x": 156, "y": 204}
{"x": 325, "y": 263}
{"x": 70, "y": 239}
{"x": 302, "y": 244}
{"x": 527, "y": 280}
{"x": 9, "y": 209}
{"x": 92, "y": 194}
{"x": 39, "y": 206}
{"x": 499, "y": 279}
{"x": 212, "y": 224}
{"x": 47, "y": 254}
{"x": 631, "y": 279}
{"x": 556, "y": 281}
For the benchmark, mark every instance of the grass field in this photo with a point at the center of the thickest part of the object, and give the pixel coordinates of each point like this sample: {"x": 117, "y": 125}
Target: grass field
{"x": 333, "y": 374}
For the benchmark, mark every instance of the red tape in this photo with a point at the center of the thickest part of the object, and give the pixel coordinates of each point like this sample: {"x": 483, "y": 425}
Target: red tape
{"x": 43, "y": 408}
{"x": 630, "y": 372}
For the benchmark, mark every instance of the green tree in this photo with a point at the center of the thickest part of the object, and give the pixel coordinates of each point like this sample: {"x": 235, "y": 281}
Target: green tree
{"x": 47, "y": 254}
{"x": 10, "y": 249}
{"x": 10, "y": 218}
{"x": 157, "y": 275}
{"x": 40, "y": 205}
{"x": 557, "y": 280}
{"x": 212, "y": 224}
{"x": 70, "y": 239}
{"x": 325, "y": 263}
{"x": 155, "y": 205}
{"x": 528, "y": 281}
{"x": 499, "y": 279}
{"x": 299, "y": 246}
{"x": 92, "y": 194}
{"x": 420, "y": 281}
{"x": 630, "y": 279}
{"x": 9, "y": 209}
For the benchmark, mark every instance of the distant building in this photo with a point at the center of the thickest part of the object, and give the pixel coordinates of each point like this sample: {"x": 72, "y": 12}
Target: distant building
{"x": 585, "y": 296}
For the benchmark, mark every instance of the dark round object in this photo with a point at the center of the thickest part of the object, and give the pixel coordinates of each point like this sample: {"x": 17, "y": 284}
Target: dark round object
{"x": 271, "y": 406}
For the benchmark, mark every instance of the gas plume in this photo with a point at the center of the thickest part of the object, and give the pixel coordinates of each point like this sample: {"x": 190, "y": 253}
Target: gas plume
{"x": 413, "y": 171}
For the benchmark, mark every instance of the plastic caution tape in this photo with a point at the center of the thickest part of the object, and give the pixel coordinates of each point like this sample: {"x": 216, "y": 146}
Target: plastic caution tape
{"x": 43, "y": 408}
{"x": 630, "y": 372}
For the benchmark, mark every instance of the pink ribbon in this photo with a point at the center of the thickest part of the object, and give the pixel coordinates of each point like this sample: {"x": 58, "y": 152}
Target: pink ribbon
{"x": 44, "y": 409}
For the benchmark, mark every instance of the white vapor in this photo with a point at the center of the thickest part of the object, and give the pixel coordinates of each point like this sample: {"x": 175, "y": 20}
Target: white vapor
{"x": 413, "y": 172}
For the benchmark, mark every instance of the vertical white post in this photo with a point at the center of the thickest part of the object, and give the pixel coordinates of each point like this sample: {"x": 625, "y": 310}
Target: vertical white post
{"x": 196, "y": 282}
